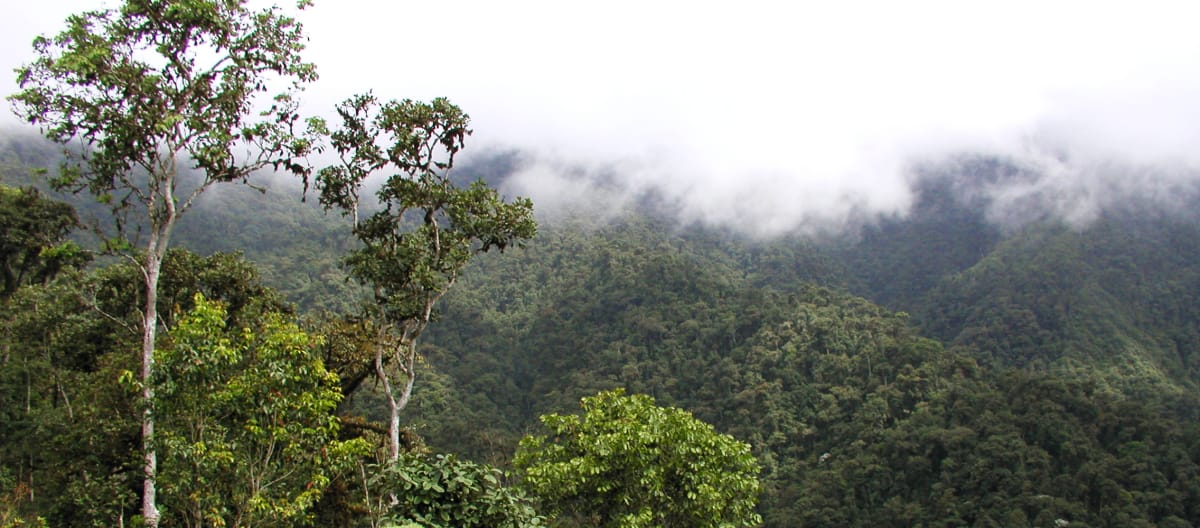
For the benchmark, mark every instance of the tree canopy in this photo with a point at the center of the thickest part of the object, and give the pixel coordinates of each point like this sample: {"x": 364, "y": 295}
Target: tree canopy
{"x": 33, "y": 244}
{"x": 427, "y": 227}
{"x": 140, "y": 90}
{"x": 1062, "y": 391}
{"x": 626, "y": 462}
{"x": 248, "y": 435}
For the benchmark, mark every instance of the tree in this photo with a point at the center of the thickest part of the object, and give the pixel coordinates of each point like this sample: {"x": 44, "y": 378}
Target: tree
{"x": 247, "y": 421}
{"x": 33, "y": 245}
{"x": 70, "y": 434}
{"x": 427, "y": 227}
{"x": 149, "y": 86}
{"x": 627, "y": 462}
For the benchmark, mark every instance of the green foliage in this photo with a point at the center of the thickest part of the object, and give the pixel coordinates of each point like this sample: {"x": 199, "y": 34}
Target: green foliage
{"x": 294, "y": 246}
{"x": 854, "y": 418}
{"x": 152, "y": 79}
{"x": 850, "y": 412}
{"x": 33, "y": 245}
{"x": 443, "y": 491}
{"x": 149, "y": 86}
{"x": 69, "y": 429}
{"x": 15, "y": 495}
{"x": 426, "y": 231}
{"x": 224, "y": 277}
{"x": 1115, "y": 301}
{"x": 1028, "y": 447}
{"x": 247, "y": 432}
{"x": 627, "y": 462}
{"x": 896, "y": 261}
{"x": 578, "y": 312}
{"x": 417, "y": 244}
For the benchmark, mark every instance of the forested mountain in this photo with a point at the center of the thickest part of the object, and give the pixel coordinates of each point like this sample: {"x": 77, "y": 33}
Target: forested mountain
{"x": 860, "y": 421}
{"x": 934, "y": 369}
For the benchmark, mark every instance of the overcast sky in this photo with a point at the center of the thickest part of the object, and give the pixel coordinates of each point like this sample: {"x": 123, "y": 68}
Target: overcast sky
{"x": 778, "y": 115}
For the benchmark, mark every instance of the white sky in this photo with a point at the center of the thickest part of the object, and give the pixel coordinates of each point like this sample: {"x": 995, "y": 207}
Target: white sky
{"x": 772, "y": 114}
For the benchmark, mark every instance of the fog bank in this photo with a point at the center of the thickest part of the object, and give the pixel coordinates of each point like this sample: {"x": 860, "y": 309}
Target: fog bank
{"x": 774, "y": 117}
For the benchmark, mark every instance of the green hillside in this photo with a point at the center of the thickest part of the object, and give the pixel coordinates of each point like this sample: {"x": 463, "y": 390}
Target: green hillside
{"x": 1036, "y": 375}
{"x": 858, "y": 420}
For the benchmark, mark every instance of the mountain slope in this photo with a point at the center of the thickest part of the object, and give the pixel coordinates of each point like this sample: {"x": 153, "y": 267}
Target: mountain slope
{"x": 1061, "y": 384}
{"x": 1117, "y": 298}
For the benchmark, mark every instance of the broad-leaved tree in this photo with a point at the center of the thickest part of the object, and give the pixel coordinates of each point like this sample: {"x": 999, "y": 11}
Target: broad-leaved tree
{"x": 626, "y": 462}
{"x": 425, "y": 230}
{"x": 247, "y": 422}
{"x": 141, "y": 92}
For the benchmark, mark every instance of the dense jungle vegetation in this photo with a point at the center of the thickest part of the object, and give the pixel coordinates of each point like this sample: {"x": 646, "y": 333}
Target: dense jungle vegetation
{"x": 190, "y": 337}
{"x": 1037, "y": 375}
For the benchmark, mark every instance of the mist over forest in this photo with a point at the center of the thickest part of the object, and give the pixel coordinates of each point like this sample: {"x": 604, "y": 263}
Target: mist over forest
{"x": 862, "y": 264}
{"x": 869, "y": 366}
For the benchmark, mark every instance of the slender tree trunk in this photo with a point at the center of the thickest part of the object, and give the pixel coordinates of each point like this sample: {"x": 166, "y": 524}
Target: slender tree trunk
{"x": 394, "y": 408}
{"x": 162, "y": 222}
{"x": 149, "y": 327}
{"x": 405, "y": 358}
{"x": 394, "y": 428}
{"x": 405, "y": 393}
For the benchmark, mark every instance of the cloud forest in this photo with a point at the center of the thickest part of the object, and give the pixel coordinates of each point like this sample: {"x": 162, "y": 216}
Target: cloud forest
{"x": 222, "y": 306}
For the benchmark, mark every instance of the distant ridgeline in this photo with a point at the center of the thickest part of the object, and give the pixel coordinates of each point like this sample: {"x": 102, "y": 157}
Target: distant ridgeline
{"x": 1039, "y": 374}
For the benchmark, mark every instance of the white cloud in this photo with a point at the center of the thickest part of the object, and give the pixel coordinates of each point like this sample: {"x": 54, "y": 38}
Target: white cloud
{"x": 779, "y": 115}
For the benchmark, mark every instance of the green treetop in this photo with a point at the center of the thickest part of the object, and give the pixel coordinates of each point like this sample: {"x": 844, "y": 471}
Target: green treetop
{"x": 426, "y": 230}
{"x": 142, "y": 89}
{"x": 629, "y": 463}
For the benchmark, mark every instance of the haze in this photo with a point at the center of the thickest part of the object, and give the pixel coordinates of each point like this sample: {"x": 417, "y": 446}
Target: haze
{"x": 776, "y": 116}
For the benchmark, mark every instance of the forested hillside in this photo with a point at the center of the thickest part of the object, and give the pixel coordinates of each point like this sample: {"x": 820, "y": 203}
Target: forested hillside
{"x": 858, "y": 420}
{"x": 934, "y": 369}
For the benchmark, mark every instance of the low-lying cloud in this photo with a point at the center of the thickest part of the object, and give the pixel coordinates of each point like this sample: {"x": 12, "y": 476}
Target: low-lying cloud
{"x": 773, "y": 117}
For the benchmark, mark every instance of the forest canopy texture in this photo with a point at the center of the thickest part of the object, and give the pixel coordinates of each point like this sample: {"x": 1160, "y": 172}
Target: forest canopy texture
{"x": 389, "y": 340}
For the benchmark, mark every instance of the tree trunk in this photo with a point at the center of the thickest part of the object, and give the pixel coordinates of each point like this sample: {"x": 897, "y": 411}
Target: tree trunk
{"x": 149, "y": 326}
{"x": 393, "y": 429}
{"x": 161, "y": 225}
{"x": 405, "y": 362}
{"x": 393, "y": 409}
{"x": 399, "y": 405}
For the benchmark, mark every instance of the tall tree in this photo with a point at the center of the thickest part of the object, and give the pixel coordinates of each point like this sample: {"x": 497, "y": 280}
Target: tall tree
{"x": 426, "y": 229}
{"x": 144, "y": 90}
